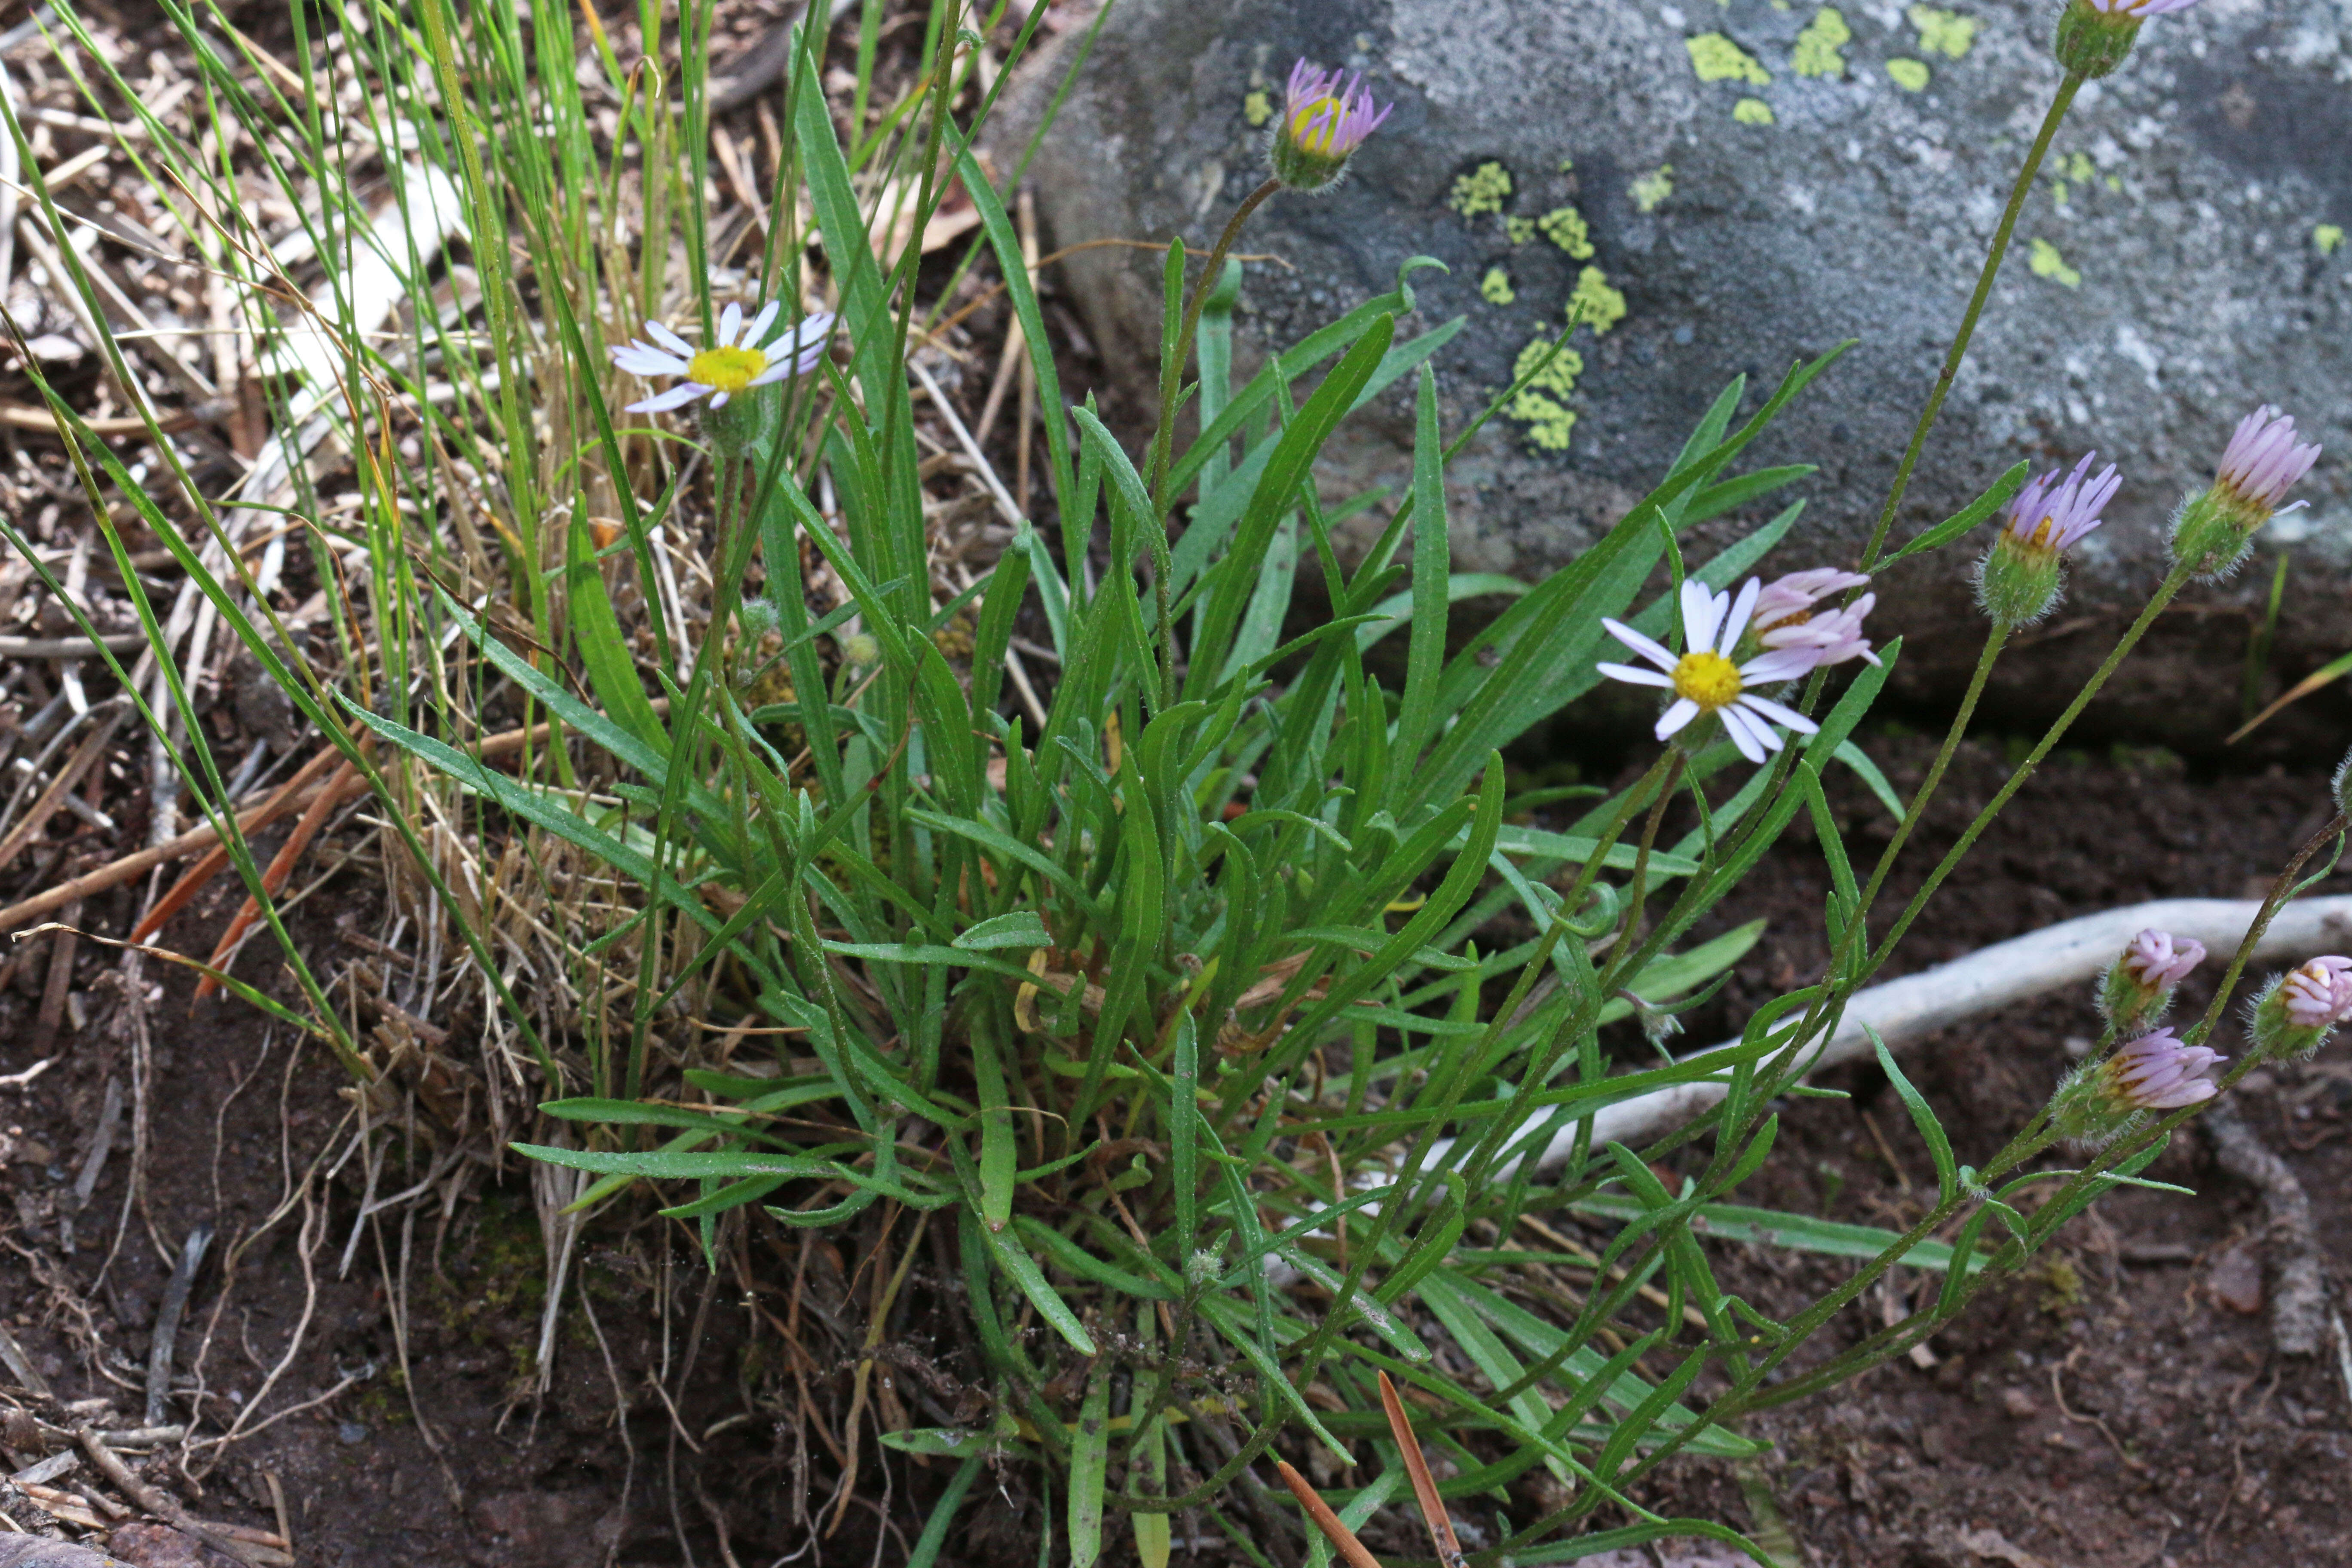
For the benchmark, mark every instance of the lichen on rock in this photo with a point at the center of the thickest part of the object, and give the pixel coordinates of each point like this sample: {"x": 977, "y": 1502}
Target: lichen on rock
{"x": 1819, "y": 50}
{"x": 1652, "y": 188}
{"x": 1946, "y": 33}
{"x": 1484, "y": 189}
{"x": 1496, "y": 286}
{"x": 2047, "y": 261}
{"x": 1911, "y": 76}
{"x": 1542, "y": 402}
{"x": 1752, "y": 112}
{"x": 1716, "y": 58}
{"x": 1594, "y": 302}
{"x": 1564, "y": 228}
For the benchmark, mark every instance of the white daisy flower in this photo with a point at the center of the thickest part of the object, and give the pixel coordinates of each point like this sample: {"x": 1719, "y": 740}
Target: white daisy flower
{"x": 734, "y": 364}
{"x": 1704, "y": 680}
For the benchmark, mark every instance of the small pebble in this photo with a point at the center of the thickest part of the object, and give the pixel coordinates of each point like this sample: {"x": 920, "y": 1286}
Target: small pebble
{"x": 351, "y": 1432}
{"x": 2020, "y": 1405}
{"x": 2236, "y": 1280}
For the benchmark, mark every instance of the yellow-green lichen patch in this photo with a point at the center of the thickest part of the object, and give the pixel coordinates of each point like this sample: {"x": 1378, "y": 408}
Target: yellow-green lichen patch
{"x": 1543, "y": 402}
{"x": 1520, "y": 230}
{"x": 2047, "y": 262}
{"x": 2076, "y": 169}
{"x": 1911, "y": 76}
{"x": 1818, "y": 47}
{"x": 1716, "y": 58}
{"x": 1752, "y": 112}
{"x": 1652, "y": 188}
{"x": 1594, "y": 302}
{"x": 1564, "y": 226}
{"x": 2328, "y": 237}
{"x": 1258, "y": 108}
{"x": 1496, "y": 286}
{"x": 1946, "y": 33}
{"x": 1484, "y": 189}
{"x": 1566, "y": 165}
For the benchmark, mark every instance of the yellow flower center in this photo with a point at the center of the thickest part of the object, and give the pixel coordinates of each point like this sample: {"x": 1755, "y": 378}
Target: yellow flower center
{"x": 1706, "y": 678}
{"x": 726, "y": 370}
{"x": 1315, "y": 126}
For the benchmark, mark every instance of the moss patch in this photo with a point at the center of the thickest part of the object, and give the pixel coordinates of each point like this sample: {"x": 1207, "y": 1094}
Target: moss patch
{"x": 1946, "y": 33}
{"x": 1752, "y": 112}
{"x": 1716, "y": 58}
{"x": 1911, "y": 76}
{"x": 1564, "y": 228}
{"x": 1820, "y": 46}
{"x": 1484, "y": 189}
{"x": 2047, "y": 262}
{"x": 1594, "y": 302}
{"x": 1542, "y": 403}
{"x": 1496, "y": 286}
{"x": 1652, "y": 188}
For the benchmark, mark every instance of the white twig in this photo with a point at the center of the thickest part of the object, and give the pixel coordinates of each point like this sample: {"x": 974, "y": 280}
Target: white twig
{"x": 1909, "y": 1010}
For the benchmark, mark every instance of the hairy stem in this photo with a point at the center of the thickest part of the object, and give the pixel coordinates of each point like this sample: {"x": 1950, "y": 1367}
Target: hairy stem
{"x": 1958, "y": 350}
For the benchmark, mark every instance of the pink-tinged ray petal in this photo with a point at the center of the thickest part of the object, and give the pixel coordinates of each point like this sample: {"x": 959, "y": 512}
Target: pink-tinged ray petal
{"x": 730, "y": 322}
{"x": 1777, "y": 714}
{"x": 773, "y": 373}
{"x": 1736, "y": 622}
{"x": 718, "y": 399}
{"x": 668, "y": 339}
{"x": 1683, "y": 712}
{"x": 1636, "y": 674}
{"x": 662, "y": 401}
{"x": 1655, "y": 652}
{"x": 1780, "y": 664}
{"x": 1702, "y": 615}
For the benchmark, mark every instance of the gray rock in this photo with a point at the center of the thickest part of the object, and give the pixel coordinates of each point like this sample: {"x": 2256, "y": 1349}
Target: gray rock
{"x": 2173, "y": 268}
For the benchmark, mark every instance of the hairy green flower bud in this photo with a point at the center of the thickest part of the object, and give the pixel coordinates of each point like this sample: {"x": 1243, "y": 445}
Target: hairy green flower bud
{"x": 2214, "y": 528}
{"x": 2092, "y": 40}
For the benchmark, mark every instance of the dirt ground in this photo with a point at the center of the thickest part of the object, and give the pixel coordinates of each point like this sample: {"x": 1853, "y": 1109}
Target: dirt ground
{"x": 2121, "y": 1408}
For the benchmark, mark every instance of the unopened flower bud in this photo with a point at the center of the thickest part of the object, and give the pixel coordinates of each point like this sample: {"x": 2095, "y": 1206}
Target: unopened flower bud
{"x": 2215, "y": 528}
{"x": 2156, "y": 1072}
{"x": 2340, "y": 786}
{"x": 2017, "y": 581}
{"x": 1323, "y": 122}
{"x": 1201, "y": 1267}
{"x": 2296, "y": 1013}
{"x": 2138, "y": 987}
{"x": 2093, "y": 35}
{"x": 861, "y": 650}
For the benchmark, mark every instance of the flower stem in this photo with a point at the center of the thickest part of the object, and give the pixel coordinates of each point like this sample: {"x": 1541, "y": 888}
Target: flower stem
{"x": 1944, "y": 378}
{"x": 2173, "y": 583}
{"x": 1994, "y": 643}
{"x": 1171, "y": 370}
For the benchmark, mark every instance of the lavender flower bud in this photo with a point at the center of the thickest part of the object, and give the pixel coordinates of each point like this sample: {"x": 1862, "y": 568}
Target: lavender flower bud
{"x": 2017, "y": 581}
{"x": 2105, "y": 1099}
{"x": 2214, "y": 528}
{"x": 1323, "y": 122}
{"x": 2340, "y": 786}
{"x": 2138, "y": 987}
{"x": 2296, "y": 1013}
